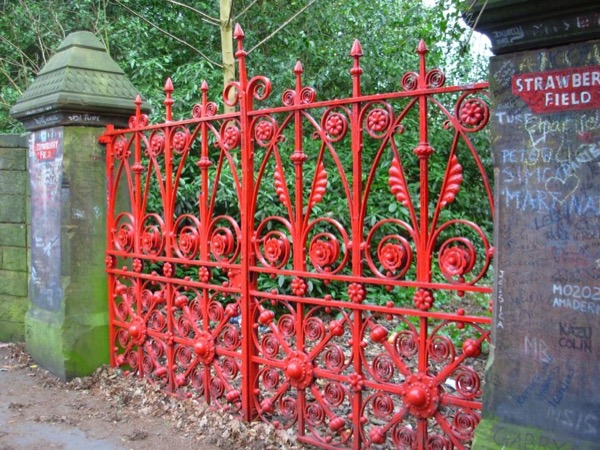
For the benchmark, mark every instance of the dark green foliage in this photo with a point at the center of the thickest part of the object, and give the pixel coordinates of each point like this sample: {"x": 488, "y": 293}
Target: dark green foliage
{"x": 320, "y": 36}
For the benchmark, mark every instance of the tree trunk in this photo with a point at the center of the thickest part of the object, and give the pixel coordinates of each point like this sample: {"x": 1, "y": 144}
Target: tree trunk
{"x": 227, "y": 45}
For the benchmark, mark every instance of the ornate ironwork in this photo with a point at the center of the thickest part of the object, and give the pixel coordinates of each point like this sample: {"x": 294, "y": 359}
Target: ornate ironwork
{"x": 322, "y": 280}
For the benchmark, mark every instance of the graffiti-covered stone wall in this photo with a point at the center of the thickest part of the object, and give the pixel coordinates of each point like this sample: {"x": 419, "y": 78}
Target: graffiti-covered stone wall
{"x": 546, "y": 130}
{"x": 542, "y": 387}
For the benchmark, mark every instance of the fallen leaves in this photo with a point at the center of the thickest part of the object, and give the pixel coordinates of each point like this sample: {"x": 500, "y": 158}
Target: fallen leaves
{"x": 134, "y": 400}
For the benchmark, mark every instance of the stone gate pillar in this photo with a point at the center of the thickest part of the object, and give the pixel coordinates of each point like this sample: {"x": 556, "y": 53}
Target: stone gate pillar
{"x": 65, "y": 110}
{"x": 543, "y": 381}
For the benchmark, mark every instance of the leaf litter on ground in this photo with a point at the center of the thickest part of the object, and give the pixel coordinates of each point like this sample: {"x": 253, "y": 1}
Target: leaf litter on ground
{"x": 134, "y": 398}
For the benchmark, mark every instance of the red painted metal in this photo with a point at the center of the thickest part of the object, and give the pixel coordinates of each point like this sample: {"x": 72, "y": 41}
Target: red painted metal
{"x": 321, "y": 280}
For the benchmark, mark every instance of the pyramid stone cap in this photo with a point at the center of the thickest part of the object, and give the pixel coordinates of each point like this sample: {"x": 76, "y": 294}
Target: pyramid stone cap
{"x": 80, "y": 85}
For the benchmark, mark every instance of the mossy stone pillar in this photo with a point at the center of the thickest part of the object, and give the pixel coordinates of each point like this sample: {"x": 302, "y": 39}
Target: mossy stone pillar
{"x": 542, "y": 386}
{"x": 77, "y": 93}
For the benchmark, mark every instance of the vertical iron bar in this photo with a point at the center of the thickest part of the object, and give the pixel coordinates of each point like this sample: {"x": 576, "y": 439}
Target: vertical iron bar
{"x": 110, "y": 218}
{"x": 423, "y": 151}
{"x": 137, "y": 217}
{"x": 357, "y": 230}
{"x": 299, "y": 258}
{"x": 168, "y": 237}
{"x": 203, "y": 207}
{"x": 247, "y": 219}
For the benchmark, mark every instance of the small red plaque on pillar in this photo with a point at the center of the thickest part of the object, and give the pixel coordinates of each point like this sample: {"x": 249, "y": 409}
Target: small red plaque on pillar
{"x": 45, "y": 151}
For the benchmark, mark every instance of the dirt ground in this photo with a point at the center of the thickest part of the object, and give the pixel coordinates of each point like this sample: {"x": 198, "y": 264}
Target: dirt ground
{"x": 110, "y": 411}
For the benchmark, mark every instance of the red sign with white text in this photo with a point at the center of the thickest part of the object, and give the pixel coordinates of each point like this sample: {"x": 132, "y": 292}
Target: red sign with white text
{"x": 559, "y": 90}
{"x": 45, "y": 151}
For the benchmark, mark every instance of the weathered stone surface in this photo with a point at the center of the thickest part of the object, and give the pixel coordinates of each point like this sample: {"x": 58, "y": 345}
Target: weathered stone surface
{"x": 13, "y": 283}
{"x": 501, "y": 435}
{"x": 13, "y": 258}
{"x": 13, "y": 243}
{"x": 12, "y": 314}
{"x": 79, "y": 91}
{"x": 515, "y": 25}
{"x": 543, "y": 374}
{"x": 13, "y": 141}
{"x": 80, "y": 85}
{"x": 13, "y": 158}
{"x": 13, "y": 182}
{"x": 12, "y": 331}
{"x": 46, "y": 178}
{"x": 12, "y": 234}
{"x": 13, "y": 208}
{"x": 68, "y": 347}
{"x": 69, "y": 289}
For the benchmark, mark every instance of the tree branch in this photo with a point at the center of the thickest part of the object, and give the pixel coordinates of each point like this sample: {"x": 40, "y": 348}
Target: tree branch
{"x": 203, "y": 16}
{"x": 244, "y": 10}
{"x": 474, "y": 24}
{"x": 23, "y": 55}
{"x": 153, "y": 25}
{"x": 283, "y": 25}
{"x": 9, "y": 78}
{"x": 45, "y": 52}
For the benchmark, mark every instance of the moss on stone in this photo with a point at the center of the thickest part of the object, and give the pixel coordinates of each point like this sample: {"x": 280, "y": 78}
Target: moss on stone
{"x": 12, "y": 317}
{"x": 12, "y": 234}
{"x": 493, "y": 434}
{"x": 13, "y": 283}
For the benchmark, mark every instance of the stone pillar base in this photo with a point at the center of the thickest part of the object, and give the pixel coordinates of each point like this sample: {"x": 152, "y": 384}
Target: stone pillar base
{"x": 68, "y": 346}
{"x": 493, "y": 434}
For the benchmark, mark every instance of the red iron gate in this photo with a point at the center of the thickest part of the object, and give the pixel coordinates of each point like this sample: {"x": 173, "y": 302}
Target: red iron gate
{"x": 308, "y": 263}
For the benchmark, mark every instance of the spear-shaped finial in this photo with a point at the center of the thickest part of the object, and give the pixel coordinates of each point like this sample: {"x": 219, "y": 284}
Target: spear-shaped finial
{"x": 240, "y": 54}
{"x": 298, "y": 70}
{"x": 356, "y": 52}
{"x": 138, "y": 105}
{"x": 238, "y": 35}
{"x": 168, "y": 99}
{"x": 422, "y": 51}
{"x": 204, "y": 89}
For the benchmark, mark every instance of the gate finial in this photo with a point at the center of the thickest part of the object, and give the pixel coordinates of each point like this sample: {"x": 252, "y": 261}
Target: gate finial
{"x": 168, "y": 100}
{"x": 422, "y": 51}
{"x": 356, "y": 52}
{"x": 298, "y": 68}
{"x": 240, "y": 54}
{"x": 238, "y": 35}
{"x": 138, "y": 106}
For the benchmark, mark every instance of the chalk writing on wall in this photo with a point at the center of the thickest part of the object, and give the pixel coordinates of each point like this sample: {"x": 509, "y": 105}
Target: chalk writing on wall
{"x": 46, "y": 120}
{"x": 584, "y": 299}
{"x": 45, "y": 174}
{"x": 547, "y": 174}
{"x": 582, "y": 422}
{"x": 83, "y": 118}
{"x": 577, "y": 338}
{"x": 546, "y": 143}
{"x": 537, "y": 347}
{"x": 550, "y": 385}
{"x": 507, "y": 437}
